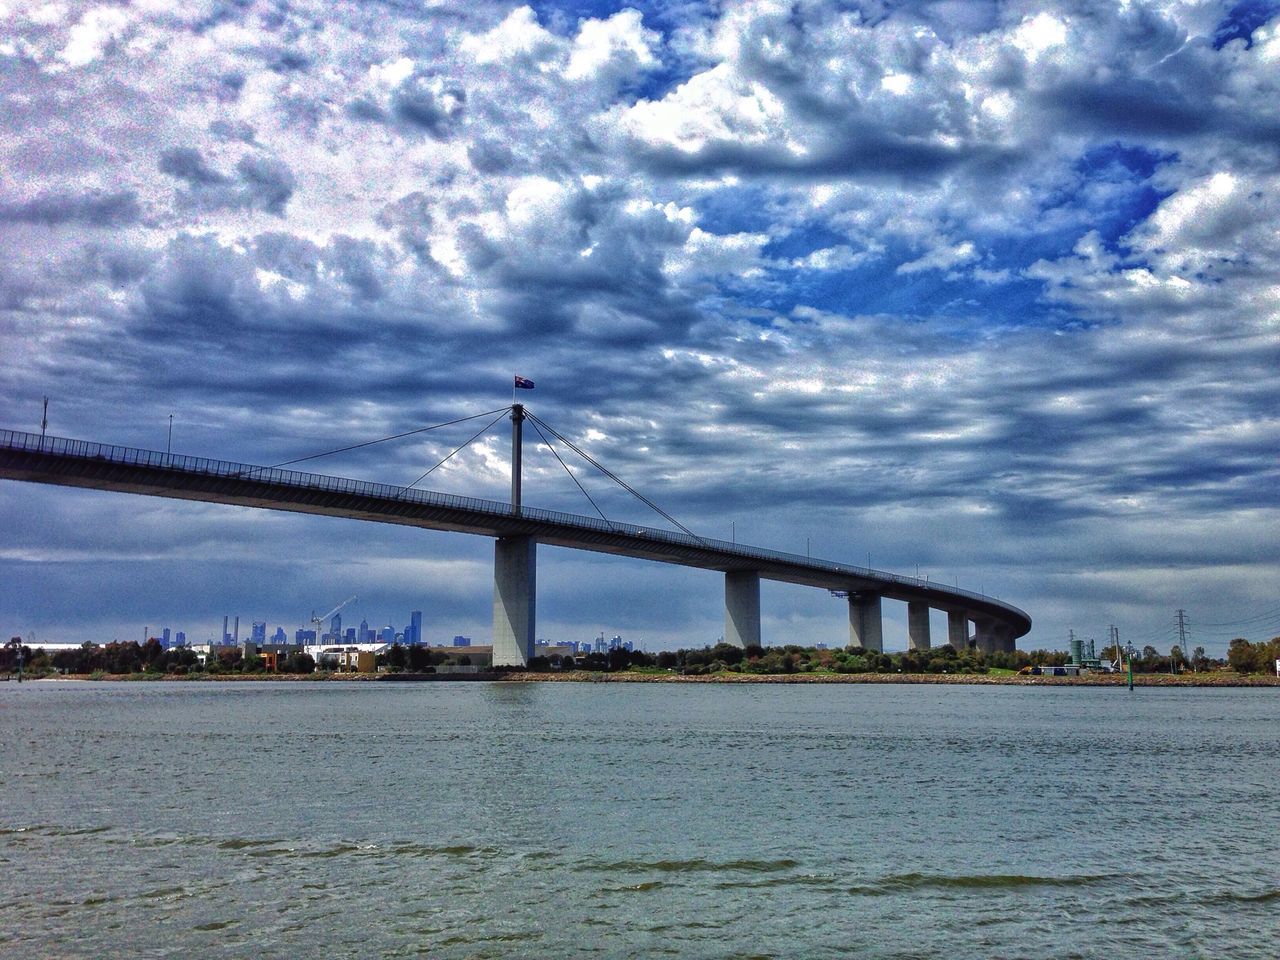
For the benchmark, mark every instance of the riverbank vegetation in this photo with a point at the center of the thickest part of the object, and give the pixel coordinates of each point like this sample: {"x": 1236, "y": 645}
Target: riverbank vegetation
{"x": 794, "y": 659}
{"x": 1244, "y": 658}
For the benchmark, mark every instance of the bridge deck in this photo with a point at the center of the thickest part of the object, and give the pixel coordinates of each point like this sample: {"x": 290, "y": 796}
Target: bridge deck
{"x": 79, "y": 463}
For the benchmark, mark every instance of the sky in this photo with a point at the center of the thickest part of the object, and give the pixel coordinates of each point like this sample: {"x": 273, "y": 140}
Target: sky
{"x": 985, "y": 292}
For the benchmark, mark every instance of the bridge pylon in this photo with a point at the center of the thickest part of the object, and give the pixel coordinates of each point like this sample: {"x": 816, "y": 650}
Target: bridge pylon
{"x": 514, "y": 600}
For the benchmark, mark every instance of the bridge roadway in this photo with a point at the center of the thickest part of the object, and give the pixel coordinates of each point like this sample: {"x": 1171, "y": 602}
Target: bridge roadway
{"x": 517, "y": 531}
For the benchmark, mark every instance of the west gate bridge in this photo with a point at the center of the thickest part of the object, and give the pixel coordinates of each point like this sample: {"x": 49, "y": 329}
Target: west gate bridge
{"x": 517, "y": 530}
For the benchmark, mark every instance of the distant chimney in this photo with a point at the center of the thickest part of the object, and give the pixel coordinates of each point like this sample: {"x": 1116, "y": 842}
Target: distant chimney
{"x": 237, "y": 634}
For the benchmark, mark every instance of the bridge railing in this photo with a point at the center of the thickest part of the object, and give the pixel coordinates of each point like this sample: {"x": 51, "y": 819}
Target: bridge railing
{"x": 202, "y": 466}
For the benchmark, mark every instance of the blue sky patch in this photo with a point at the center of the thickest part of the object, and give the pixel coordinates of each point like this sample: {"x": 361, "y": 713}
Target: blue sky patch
{"x": 1242, "y": 20}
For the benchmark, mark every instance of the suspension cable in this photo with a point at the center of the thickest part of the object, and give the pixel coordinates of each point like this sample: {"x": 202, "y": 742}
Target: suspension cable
{"x": 475, "y": 436}
{"x": 611, "y": 475}
{"x": 408, "y": 433}
{"x": 569, "y": 472}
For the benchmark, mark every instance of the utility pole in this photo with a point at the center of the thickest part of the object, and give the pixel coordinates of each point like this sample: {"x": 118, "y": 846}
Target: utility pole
{"x": 44, "y": 418}
{"x": 1182, "y": 633}
{"x": 169, "y": 443}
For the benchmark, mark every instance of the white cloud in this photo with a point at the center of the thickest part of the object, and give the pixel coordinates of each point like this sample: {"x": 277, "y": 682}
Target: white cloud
{"x": 619, "y": 45}
{"x": 942, "y": 258}
{"x": 89, "y": 38}
{"x": 518, "y": 35}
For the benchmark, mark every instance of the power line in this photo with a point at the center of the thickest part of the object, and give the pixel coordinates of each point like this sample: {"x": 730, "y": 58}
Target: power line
{"x": 1266, "y": 615}
{"x": 397, "y": 436}
{"x": 554, "y": 453}
{"x": 612, "y": 476}
{"x": 474, "y": 437}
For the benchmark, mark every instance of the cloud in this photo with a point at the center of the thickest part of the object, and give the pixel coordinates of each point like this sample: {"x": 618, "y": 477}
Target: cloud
{"x": 428, "y": 103}
{"x": 259, "y": 182}
{"x": 94, "y": 208}
{"x": 987, "y": 288}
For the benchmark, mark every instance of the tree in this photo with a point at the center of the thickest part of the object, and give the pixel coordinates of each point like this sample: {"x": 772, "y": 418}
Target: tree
{"x": 418, "y": 658}
{"x": 298, "y": 663}
{"x": 1243, "y": 656}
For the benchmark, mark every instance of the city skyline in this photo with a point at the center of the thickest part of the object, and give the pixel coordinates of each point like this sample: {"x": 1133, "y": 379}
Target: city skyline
{"x": 986, "y": 292}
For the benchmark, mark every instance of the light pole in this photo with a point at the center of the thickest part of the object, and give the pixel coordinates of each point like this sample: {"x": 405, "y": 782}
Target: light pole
{"x": 168, "y": 446}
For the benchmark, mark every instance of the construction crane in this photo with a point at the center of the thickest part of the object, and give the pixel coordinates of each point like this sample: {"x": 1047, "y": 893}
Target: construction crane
{"x": 319, "y": 621}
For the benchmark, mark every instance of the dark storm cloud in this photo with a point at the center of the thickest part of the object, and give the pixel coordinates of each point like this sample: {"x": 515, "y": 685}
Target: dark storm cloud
{"x": 94, "y": 208}
{"x": 232, "y": 130}
{"x": 429, "y": 104}
{"x": 364, "y": 108}
{"x": 186, "y": 163}
{"x": 489, "y": 156}
{"x": 260, "y": 182}
{"x": 866, "y": 153}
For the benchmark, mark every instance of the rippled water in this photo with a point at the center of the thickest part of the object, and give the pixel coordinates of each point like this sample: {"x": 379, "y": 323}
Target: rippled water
{"x": 612, "y": 820}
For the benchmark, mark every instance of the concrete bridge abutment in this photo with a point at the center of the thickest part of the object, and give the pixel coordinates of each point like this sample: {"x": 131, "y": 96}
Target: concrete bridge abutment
{"x": 514, "y": 600}
{"x": 866, "y": 629}
{"x": 742, "y": 608}
{"x": 993, "y": 637}
{"x": 918, "y": 626}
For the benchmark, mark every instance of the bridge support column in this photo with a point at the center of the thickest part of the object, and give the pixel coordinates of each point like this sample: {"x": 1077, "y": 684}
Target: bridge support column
{"x": 985, "y": 637}
{"x": 918, "y": 626}
{"x": 865, "y": 627}
{"x": 958, "y": 630}
{"x": 742, "y": 608}
{"x": 514, "y": 594}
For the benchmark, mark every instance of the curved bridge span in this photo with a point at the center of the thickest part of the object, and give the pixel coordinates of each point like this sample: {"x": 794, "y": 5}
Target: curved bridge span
{"x": 517, "y": 531}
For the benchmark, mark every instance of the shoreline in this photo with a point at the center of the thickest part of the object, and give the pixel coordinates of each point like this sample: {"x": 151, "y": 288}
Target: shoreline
{"x": 586, "y": 676}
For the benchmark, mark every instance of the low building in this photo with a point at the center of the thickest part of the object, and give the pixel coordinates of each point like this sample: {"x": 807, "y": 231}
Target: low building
{"x": 357, "y": 661}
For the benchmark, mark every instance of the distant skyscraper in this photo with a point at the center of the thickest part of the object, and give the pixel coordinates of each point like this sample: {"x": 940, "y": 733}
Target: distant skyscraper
{"x": 388, "y": 634}
{"x": 259, "y": 634}
{"x": 304, "y": 636}
{"x": 280, "y": 636}
{"x": 335, "y": 626}
{"x": 350, "y": 635}
{"x": 462, "y": 641}
{"x": 164, "y": 638}
{"x": 415, "y": 625}
{"x": 363, "y": 636}
{"x": 180, "y": 639}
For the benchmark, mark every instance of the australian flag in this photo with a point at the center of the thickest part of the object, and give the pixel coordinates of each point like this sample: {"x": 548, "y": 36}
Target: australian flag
{"x": 523, "y": 384}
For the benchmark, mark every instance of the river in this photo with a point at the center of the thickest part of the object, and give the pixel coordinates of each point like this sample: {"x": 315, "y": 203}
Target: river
{"x": 457, "y": 820}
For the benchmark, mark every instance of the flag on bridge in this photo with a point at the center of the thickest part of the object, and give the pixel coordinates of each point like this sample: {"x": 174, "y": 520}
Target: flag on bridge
{"x": 523, "y": 384}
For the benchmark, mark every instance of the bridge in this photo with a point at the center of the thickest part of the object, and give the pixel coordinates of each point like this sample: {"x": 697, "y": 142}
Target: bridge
{"x": 517, "y": 530}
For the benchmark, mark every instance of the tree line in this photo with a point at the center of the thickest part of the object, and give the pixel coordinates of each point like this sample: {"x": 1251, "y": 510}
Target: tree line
{"x": 152, "y": 658}
{"x": 794, "y": 658}
{"x": 1243, "y": 657}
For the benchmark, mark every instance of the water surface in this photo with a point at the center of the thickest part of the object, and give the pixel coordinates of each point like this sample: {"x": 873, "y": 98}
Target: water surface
{"x": 613, "y": 820}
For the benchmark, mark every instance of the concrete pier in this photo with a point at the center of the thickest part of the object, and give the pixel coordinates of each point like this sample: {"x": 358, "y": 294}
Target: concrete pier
{"x": 918, "y": 626}
{"x": 514, "y": 599}
{"x": 958, "y": 630}
{"x": 993, "y": 637}
{"x": 742, "y": 608}
{"x": 866, "y": 629}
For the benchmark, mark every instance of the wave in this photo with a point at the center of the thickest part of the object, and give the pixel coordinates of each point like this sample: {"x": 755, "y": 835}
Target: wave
{"x": 687, "y": 866}
{"x": 986, "y": 881}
